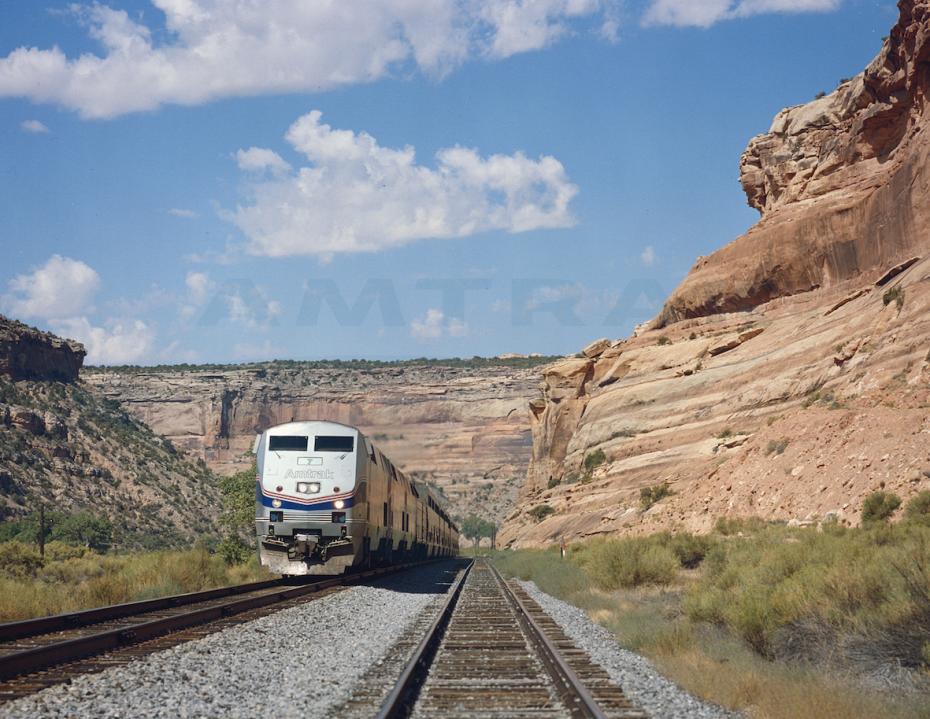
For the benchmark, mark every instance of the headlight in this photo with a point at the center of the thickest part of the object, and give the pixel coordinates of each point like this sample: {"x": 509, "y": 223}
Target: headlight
{"x": 275, "y": 503}
{"x": 339, "y": 504}
{"x": 308, "y": 487}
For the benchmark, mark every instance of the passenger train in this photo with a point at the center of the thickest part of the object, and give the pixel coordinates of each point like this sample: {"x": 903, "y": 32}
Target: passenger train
{"x": 328, "y": 500}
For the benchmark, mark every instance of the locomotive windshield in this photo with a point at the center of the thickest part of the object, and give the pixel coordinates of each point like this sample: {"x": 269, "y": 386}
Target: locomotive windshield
{"x": 323, "y": 443}
{"x": 288, "y": 444}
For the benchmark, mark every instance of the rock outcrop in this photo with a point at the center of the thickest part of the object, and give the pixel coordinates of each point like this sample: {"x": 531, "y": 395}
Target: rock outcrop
{"x": 842, "y": 185}
{"x": 789, "y": 375}
{"x": 28, "y": 353}
{"x": 463, "y": 428}
{"x": 65, "y": 445}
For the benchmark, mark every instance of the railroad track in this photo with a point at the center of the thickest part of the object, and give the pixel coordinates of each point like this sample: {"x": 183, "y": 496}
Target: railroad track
{"x": 38, "y": 653}
{"x": 493, "y": 652}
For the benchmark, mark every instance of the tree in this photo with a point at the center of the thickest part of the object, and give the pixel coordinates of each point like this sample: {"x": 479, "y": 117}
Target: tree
{"x": 475, "y": 528}
{"x": 238, "y": 514}
{"x": 84, "y": 529}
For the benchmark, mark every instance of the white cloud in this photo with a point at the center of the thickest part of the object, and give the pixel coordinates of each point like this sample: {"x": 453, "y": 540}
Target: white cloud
{"x": 258, "y": 159}
{"x": 33, "y": 126}
{"x": 62, "y": 287}
{"x": 357, "y": 196}
{"x": 231, "y": 48}
{"x": 648, "y": 256}
{"x": 530, "y": 24}
{"x": 180, "y": 212}
{"x": 61, "y": 292}
{"x": 119, "y": 342}
{"x": 435, "y": 325}
{"x": 199, "y": 285}
{"x": 704, "y": 13}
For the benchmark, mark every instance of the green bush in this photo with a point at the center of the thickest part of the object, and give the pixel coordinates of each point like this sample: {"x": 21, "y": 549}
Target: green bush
{"x": 630, "y": 563}
{"x": 879, "y": 506}
{"x": 896, "y": 295}
{"x": 540, "y": 512}
{"x": 918, "y": 508}
{"x": 553, "y": 482}
{"x": 649, "y": 496}
{"x": 85, "y": 530}
{"x": 233, "y": 550}
{"x": 663, "y": 340}
{"x": 690, "y": 549}
{"x": 19, "y": 560}
{"x": 777, "y": 446}
{"x": 594, "y": 459}
{"x": 786, "y": 591}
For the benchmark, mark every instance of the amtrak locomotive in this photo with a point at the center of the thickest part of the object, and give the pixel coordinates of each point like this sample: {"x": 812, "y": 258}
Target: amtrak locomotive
{"x": 328, "y": 500}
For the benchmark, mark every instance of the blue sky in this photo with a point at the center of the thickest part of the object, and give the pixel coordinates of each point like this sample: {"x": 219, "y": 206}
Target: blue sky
{"x": 202, "y": 181}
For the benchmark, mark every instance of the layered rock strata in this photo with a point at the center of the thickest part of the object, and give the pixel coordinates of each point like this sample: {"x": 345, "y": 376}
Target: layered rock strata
{"x": 788, "y": 376}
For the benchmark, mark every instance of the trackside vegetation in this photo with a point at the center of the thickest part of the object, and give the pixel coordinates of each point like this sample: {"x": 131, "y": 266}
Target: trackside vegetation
{"x": 779, "y": 621}
{"x": 84, "y": 567}
{"x": 70, "y": 578}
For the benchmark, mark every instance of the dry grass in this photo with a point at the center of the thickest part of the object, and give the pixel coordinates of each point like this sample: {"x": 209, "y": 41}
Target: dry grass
{"x": 779, "y": 623}
{"x": 92, "y": 580}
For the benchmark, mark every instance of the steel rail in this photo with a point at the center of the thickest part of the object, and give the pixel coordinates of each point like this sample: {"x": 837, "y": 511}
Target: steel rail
{"x": 571, "y": 689}
{"x": 10, "y": 631}
{"x": 28, "y": 661}
{"x": 404, "y": 694}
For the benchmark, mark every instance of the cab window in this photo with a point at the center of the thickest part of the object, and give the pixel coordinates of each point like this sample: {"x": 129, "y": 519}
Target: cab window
{"x": 323, "y": 443}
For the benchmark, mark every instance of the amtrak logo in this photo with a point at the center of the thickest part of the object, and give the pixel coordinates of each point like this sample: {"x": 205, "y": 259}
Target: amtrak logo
{"x": 309, "y": 474}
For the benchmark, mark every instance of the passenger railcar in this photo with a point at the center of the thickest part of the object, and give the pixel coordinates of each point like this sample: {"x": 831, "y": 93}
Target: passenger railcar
{"x": 328, "y": 500}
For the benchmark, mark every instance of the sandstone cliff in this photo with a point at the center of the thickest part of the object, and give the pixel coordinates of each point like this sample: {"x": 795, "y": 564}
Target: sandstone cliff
{"x": 789, "y": 375}
{"x": 459, "y": 425}
{"x": 842, "y": 185}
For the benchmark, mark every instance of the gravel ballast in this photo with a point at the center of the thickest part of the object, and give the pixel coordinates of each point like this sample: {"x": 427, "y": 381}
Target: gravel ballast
{"x": 298, "y": 662}
{"x": 639, "y": 679}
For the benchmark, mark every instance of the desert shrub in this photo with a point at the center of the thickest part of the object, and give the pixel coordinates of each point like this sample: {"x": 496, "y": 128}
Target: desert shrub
{"x": 777, "y": 446}
{"x": 731, "y": 526}
{"x": 725, "y": 434}
{"x": 663, "y": 340}
{"x": 58, "y": 551}
{"x": 649, "y": 496}
{"x": 793, "y": 593}
{"x": 233, "y": 550}
{"x": 630, "y": 563}
{"x": 690, "y": 549}
{"x": 594, "y": 459}
{"x": 896, "y": 295}
{"x": 918, "y": 508}
{"x": 540, "y": 512}
{"x": 19, "y": 560}
{"x": 879, "y": 506}
{"x": 553, "y": 482}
